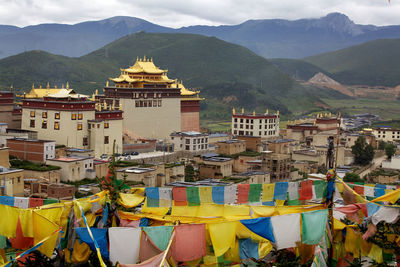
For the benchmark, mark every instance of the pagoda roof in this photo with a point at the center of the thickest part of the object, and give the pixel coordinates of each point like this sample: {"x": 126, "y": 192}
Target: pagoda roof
{"x": 65, "y": 93}
{"x": 126, "y": 78}
{"x": 144, "y": 66}
{"x": 42, "y": 92}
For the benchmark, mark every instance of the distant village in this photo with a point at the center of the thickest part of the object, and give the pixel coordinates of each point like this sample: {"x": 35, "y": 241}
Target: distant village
{"x": 56, "y": 141}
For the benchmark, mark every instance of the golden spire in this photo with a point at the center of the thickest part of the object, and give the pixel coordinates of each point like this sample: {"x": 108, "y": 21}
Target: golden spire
{"x": 67, "y": 85}
{"x": 277, "y": 113}
{"x": 233, "y": 111}
{"x": 151, "y": 60}
{"x": 105, "y": 105}
{"x": 107, "y": 84}
{"x": 120, "y": 106}
{"x": 144, "y": 58}
{"x": 266, "y": 111}
{"x": 242, "y": 110}
{"x": 113, "y": 106}
{"x": 62, "y": 86}
{"x": 315, "y": 122}
{"x": 93, "y": 97}
{"x": 254, "y": 113}
{"x": 97, "y": 92}
{"x": 48, "y": 85}
{"x": 33, "y": 86}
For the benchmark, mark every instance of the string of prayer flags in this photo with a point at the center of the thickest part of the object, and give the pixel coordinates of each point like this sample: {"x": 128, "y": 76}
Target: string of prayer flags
{"x": 165, "y": 197}
{"x": 243, "y": 193}
{"x": 313, "y": 226}
{"x": 320, "y": 188}
{"x": 35, "y": 202}
{"x": 179, "y": 196}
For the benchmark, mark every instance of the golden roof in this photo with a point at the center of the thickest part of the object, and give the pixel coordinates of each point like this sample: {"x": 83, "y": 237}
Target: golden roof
{"x": 42, "y": 92}
{"x": 143, "y": 65}
{"x": 184, "y": 91}
{"x": 126, "y": 78}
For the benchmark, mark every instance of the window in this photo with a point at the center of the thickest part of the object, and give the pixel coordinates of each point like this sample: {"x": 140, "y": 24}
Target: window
{"x": 235, "y": 125}
{"x": 19, "y": 179}
{"x": 106, "y": 125}
{"x": 194, "y": 141}
{"x": 57, "y": 115}
{"x": 44, "y": 124}
{"x": 194, "y": 147}
{"x": 79, "y": 126}
{"x": 98, "y": 126}
{"x": 32, "y": 124}
{"x": 137, "y": 103}
{"x": 80, "y": 116}
{"x": 187, "y": 141}
{"x": 206, "y": 140}
{"x": 187, "y": 147}
{"x": 85, "y": 141}
{"x": 44, "y": 114}
{"x": 150, "y": 103}
{"x": 106, "y": 140}
{"x": 73, "y": 116}
{"x": 159, "y": 103}
{"x": 235, "y": 119}
{"x": 56, "y": 125}
{"x": 154, "y": 103}
{"x": 32, "y": 114}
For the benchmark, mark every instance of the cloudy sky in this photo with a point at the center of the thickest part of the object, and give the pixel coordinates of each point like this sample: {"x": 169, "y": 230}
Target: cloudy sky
{"x": 177, "y": 13}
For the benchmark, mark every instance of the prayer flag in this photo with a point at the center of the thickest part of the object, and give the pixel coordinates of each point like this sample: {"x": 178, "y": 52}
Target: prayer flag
{"x": 268, "y": 192}
{"x": 153, "y": 197}
{"x": 306, "y": 190}
{"x": 160, "y": 235}
{"x": 255, "y": 192}
{"x": 35, "y": 202}
{"x": 281, "y": 191}
{"x": 205, "y": 193}
{"x": 230, "y": 194}
{"x": 286, "y": 229}
{"x": 313, "y": 226}
{"x": 193, "y": 197}
{"x": 223, "y": 236}
{"x": 243, "y": 193}
{"x": 179, "y": 196}
{"x": 218, "y": 194}
{"x": 99, "y": 234}
{"x": 190, "y": 242}
{"x": 261, "y": 227}
{"x": 124, "y": 244}
{"x": 7, "y": 200}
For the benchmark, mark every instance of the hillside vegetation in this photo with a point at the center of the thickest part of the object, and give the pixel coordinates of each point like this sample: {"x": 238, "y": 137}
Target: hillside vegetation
{"x": 228, "y": 75}
{"x": 371, "y": 63}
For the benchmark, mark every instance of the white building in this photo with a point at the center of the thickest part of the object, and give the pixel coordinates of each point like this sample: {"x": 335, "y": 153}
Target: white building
{"x": 386, "y": 134}
{"x": 394, "y": 163}
{"x": 262, "y": 125}
{"x": 74, "y": 168}
{"x": 189, "y": 141}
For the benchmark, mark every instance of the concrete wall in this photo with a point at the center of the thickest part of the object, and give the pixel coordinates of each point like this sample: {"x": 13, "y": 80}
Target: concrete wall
{"x": 48, "y": 176}
{"x": 72, "y": 170}
{"x": 190, "y": 121}
{"x": 152, "y": 122}
{"x": 97, "y": 137}
{"x": 14, "y": 183}
{"x": 68, "y": 133}
{"x": 4, "y": 157}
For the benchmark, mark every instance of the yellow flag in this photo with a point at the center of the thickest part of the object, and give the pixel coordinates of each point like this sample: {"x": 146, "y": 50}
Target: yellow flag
{"x": 268, "y": 192}
{"x": 223, "y": 236}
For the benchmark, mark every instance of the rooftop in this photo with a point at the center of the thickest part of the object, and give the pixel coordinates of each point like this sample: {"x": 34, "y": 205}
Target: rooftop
{"x": 232, "y": 141}
{"x": 70, "y": 159}
{"x": 31, "y": 140}
{"x": 277, "y": 141}
{"x": 250, "y": 173}
{"x": 137, "y": 170}
{"x": 8, "y": 170}
{"x": 79, "y": 150}
{"x": 190, "y": 134}
{"x": 218, "y": 159}
{"x": 206, "y": 182}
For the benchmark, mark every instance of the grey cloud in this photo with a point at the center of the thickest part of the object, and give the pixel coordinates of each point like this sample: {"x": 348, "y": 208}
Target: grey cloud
{"x": 177, "y": 13}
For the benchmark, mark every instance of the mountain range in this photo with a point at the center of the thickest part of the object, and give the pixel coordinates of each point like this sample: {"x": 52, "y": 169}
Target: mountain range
{"x": 228, "y": 75}
{"x": 270, "y": 38}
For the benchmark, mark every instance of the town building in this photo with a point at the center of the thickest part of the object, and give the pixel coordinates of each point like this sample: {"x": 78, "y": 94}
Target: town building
{"x": 282, "y": 146}
{"x": 72, "y": 120}
{"x": 261, "y": 125}
{"x": 4, "y": 157}
{"x": 189, "y": 141}
{"x": 230, "y": 147}
{"x": 11, "y": 182}
{"x": 252, "y": 177}
{"x": 7, "y": 133}
{"x": 10, "y": 113}
{"x": 253, "y": 143}
{"x": 31, "y": 149}
{"x": 351, "y": 138}
{"x": 154, "y": 105}
{"x": 74, "y": 168}
{"x": 393, "y": 163}
{"x": 52, "y": 190}
{"x": 278, "y": 165}
{"x": 386, "y": 134}
{"x": 215, "y": 168}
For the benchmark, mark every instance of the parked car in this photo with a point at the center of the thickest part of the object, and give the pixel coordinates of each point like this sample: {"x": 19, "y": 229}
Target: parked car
{"x": 104, "y": 156}
{"x": 134, "y": 153}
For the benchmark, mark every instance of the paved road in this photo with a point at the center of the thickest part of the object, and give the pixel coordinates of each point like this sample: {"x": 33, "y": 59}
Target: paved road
{"x": 376, "y": 162}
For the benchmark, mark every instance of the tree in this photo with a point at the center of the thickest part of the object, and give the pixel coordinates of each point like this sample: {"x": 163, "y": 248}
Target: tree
{"x": 352, "y": 177}
{"x": 363, "y": 152}
{"x": 189, "y": 173}
{"x": 381, "y": 145}
{"x": 390, "y": 149}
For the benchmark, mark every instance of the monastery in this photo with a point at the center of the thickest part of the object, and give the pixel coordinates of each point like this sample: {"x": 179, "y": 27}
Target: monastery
{"x": 154, "y": 105}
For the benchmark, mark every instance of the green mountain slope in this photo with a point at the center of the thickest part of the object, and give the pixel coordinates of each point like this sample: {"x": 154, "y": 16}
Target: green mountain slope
{"x": 227, "y": 74}
{"x": 372, "y": 63}
{"x": 296, "y": 68}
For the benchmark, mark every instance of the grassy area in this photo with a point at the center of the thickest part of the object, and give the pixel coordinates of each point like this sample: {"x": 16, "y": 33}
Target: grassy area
{"x": 385, "y": 109}
{"x": 28, "y": 165}
{"x": 216, "y": 126}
